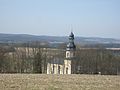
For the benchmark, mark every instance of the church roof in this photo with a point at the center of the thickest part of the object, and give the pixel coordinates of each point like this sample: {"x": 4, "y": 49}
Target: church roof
{"x": 57, "y": 61}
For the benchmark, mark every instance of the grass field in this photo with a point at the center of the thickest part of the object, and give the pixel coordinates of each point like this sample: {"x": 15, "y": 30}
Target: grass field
{"x": 58, "y": 82}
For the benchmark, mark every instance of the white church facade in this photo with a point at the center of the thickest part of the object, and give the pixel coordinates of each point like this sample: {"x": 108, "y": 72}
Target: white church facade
{"x": 66, "y": 66}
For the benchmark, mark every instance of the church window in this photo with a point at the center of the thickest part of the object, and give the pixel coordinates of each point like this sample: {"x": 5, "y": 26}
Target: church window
{"x": 67, "y": 54}
{"x": 58, "y": 69}
{"x": 66, "y": 70}
{"x": 53, "y": 69}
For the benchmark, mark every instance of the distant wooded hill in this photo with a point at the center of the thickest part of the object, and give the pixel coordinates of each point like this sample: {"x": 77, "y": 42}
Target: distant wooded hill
{"x": 23, "y": 38}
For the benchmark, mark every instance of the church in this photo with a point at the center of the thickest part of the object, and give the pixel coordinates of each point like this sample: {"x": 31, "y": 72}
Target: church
{"x": 66, "y": 66}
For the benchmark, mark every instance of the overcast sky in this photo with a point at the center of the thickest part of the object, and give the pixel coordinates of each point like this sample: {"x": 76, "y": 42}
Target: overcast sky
{"x": 89, "y": 18}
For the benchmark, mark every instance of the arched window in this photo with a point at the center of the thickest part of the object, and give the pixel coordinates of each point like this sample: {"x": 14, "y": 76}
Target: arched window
{"x": 58, "y": 69}
{"x": 53, "y": 69}
{"x": 68, "y": 55}
{"x": 66, "y": 70}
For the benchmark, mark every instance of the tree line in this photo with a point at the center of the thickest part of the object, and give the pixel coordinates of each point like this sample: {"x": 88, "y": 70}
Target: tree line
{"x": 33, "y": 59}
{"x": 98, "y": 61}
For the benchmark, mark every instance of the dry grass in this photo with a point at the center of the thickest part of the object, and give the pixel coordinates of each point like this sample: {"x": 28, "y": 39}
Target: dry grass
{"x": 58, "y": 82}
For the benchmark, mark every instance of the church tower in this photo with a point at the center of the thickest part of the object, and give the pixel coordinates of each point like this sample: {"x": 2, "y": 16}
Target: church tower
{"x": 69, "y": 62}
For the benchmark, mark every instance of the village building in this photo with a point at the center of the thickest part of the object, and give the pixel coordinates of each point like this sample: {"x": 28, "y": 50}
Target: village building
{"x": 66, "y": 65}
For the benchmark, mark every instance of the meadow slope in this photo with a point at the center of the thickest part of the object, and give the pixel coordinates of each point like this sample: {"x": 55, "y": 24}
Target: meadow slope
{"x": 58, "y": 82}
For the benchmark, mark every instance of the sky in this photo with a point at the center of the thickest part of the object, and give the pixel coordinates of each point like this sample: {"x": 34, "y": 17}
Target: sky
{"x": 88, "y": 18}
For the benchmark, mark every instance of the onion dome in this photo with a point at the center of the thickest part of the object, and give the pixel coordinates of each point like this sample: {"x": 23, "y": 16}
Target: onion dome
{"x": 71, "y": 45}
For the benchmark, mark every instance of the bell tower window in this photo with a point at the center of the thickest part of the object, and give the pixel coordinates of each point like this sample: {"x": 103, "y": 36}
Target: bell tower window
{"x": 67, "y": 54}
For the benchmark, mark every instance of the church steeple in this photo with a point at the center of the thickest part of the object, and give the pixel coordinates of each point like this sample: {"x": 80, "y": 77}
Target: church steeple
{"x": 71, "y": 45}
{"x": 69, "y": 62}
